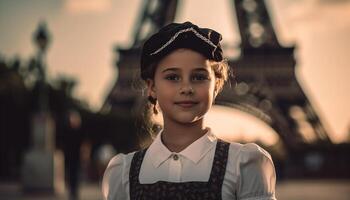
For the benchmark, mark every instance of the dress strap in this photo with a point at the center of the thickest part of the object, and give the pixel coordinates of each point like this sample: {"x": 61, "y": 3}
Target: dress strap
{"x": 135, "y": 170}
{"x": 219, "y": 164}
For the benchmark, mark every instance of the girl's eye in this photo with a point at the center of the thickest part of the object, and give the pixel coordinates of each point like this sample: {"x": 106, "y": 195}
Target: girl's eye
{"x": 200, "y": 77}
{"x": 172, "y": 77}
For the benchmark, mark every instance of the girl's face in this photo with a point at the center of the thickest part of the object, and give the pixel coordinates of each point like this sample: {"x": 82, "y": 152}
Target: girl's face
{"x": 184, "y": 86}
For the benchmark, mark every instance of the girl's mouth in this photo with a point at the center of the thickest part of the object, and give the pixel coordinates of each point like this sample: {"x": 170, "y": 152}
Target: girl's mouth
{"x": 186, "y": 104}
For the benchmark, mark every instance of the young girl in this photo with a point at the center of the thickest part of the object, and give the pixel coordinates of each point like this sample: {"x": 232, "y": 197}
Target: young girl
{"x": 184, "y": 69}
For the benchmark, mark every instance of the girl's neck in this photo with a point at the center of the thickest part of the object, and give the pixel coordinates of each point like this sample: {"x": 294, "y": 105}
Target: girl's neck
{"x": 176, "y": 137}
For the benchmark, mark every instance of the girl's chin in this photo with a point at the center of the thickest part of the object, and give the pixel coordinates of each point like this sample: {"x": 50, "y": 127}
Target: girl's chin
{"x": 190, "y": 120}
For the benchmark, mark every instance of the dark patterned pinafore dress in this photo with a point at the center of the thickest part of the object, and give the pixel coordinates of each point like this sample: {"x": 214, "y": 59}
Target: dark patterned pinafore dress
{"x": 193, "y": 190}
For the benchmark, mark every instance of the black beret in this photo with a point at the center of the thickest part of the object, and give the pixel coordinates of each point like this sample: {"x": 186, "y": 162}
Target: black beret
{"x": 180, "y": 35}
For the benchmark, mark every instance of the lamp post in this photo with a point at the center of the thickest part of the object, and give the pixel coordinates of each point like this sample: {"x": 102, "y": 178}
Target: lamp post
{"x": 42, "y": 169}
{"x": 43, "y": 124}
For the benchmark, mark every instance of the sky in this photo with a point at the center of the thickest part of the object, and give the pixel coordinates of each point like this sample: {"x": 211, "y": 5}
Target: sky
{"x": 84, "y": 34}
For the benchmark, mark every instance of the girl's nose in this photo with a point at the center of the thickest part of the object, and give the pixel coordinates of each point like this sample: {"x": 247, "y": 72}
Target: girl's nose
{"x": 187, "y": 90}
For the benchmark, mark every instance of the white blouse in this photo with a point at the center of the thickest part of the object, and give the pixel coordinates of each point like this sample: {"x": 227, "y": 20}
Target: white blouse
{"x": 250, "y": 173}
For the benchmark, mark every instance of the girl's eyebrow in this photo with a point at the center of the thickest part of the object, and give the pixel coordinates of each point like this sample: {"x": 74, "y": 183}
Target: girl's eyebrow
{"x": 201, "y": 69}
{"x": 177, "y": 69}
{"x": 171, "y": 69}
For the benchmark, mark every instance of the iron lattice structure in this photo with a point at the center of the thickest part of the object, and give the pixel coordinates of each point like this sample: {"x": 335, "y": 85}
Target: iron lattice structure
{"x": 266, "y": 84}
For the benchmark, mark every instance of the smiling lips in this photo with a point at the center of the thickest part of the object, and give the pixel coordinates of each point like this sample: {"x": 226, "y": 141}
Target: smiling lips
{"x": 186, "y": 104}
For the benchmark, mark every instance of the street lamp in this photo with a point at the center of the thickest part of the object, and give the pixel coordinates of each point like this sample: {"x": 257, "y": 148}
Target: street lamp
{"x": 40, "y": 162}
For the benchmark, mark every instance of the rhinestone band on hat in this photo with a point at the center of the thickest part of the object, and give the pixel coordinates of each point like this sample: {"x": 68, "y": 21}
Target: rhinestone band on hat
{"x": 183, "y": 31}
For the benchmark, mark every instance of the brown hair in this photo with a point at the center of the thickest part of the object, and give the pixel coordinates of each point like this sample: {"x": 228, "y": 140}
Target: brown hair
{"x": 222, "y": 73}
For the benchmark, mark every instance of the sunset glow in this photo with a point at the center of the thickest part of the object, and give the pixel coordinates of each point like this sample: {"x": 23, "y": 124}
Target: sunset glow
{"x": 85, "y": 33}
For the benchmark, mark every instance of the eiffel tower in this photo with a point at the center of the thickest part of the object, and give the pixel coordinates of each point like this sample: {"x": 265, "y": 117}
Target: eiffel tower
{"x": 266, "y": 84}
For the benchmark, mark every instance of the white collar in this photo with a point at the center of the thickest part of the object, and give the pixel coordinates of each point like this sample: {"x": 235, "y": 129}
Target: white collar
{"x": 194, "y": 152}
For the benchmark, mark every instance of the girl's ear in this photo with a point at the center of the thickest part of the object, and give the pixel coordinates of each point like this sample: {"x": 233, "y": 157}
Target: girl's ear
{"x": 150, "y": 88}
{"x": 216, "y": 92}
{"x": 216, "y": 88}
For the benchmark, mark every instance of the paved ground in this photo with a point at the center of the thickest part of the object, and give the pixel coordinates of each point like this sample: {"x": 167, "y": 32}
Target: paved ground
{"x": 314, "y": 190}
{"x": 287, "y": 190}
{"x": 13, "y": 192}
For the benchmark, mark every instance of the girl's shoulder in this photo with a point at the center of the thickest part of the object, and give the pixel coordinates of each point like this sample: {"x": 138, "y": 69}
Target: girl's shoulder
{"x": 249, "y": 163}
{"x": 121, "y": 159}
{"x": 248, "y": 152}
{"x": 116, "y": 175}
